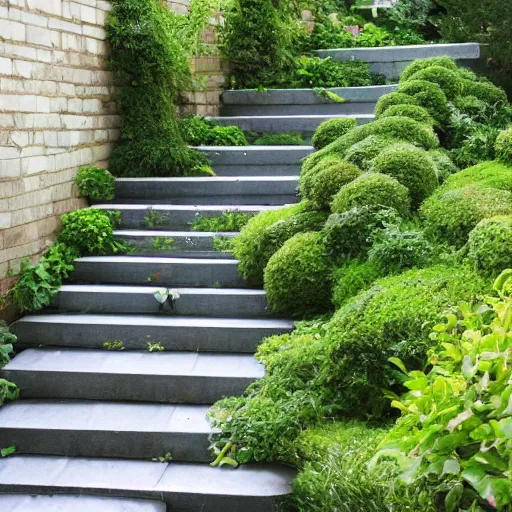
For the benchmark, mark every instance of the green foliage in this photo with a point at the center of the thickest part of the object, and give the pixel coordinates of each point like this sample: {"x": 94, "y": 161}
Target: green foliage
{"x": 489, "y": 245}
{"x": 328, "y": 96}
{"x": 504, "y": 146}
{"x": 248, "y": 245}
{"x": 155, "y": 346}
{"x": 113, "y": 345}
{"x": 363, "y": 153}
{"x": 8, "y": 391}
{"x": 486, "y": 92}
{"x": 487, "y": 174}
{"x": 455, "y": 424}
{"x": 38, "y": 284}
{"x": 95, "y": 183}
{"x": 198, "y": 131}
{"x": 280, "y": 139}
{"x": 298, "y": 277}
{"x": 229, "y": 221}
{"x": 415, "y": 112}
{"x": 393, "y": 99}
{"x": 412, "y": 167}
{"x": 330, "y": 130}
{"x": 448, "y": 80}
{"x": 308, "y": 174}
{"x": 420, "y": 64}
{"x": 442, "y": 163}
{"x": 470, "y": 106}
{"x": 90, "y": 232}
{"x": 373, "y": 190}
{"x": 326, "y": 183}
{"x": 477, "y": 144}
{"x": 7, "y": 340}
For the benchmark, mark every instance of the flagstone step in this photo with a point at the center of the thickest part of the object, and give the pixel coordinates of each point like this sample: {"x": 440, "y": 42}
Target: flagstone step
{"x": 163, "y": 377}
{"x": 204, "y": 302}
{"x": 187, "y": 333}
{"x": 83, "y": 428}
{"x": 184, "y": 487}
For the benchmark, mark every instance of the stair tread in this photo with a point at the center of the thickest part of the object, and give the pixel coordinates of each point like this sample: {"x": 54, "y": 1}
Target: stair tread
{"x": 131, "y": 477}
{"x": 154, "y": 259}
{"x": 211, "y": 179}
{"x": 253, "y": 149}
{"x": 189, "y": 207}
{"x": 188, "y": 234}
{"x": 299, "y": 116}
{"x": 92, "y": 361}
{"x": 47, "y": 414}
{"x": 68, "y": 503}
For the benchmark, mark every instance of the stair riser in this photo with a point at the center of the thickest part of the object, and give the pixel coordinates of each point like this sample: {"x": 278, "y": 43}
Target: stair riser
{"x": 256, "y": 156}
{"x": 125, "y": 445}
{"x": 238, "y": 200}
{"x": 295, "y": 110}
{"x": 219, "y": 306}
{"x": 257, "y": 170}
{"x": 159, "y": 274}
{"x": 132, "y": 388}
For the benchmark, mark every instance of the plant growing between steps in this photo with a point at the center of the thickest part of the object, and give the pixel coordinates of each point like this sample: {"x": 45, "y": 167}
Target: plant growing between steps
{"x": 114, "y": 345}
{"x": 155, "y": 346}
{"x": 154, "y": 219}
{"x": 8, "y": 390}
{"x": 228, "y": 221}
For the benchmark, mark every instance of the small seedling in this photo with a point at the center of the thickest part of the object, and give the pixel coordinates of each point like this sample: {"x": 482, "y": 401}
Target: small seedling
{"x": 166, "y": 458}
{"x": 5, "y": 452}
{"x": 163, "y": 243}
{"x": 113, "y": 345}
{"x": 155, "y": 346}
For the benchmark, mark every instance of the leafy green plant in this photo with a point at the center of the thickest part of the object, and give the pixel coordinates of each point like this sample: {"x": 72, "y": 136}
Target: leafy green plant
{"x": 95, "y": 183}
{"x": 198, "y": 131}
{"x": 8, "y": 391}
{"x": 5, "y": 452}
{"x": 504, "y": 146}
{"x": 153, "y": 219}
{"x": 7, "y": 340}
{"x": 165, "y": 459}
{"x": 280, "y": 139}
{"x": 155, "y": 346}
{"x": 114, "y": 345}
{"x": 328, "y": 96}
{"x": 223, "y": 243}
{"x": 228, "y": 221}
{"x": 163, "y": 243}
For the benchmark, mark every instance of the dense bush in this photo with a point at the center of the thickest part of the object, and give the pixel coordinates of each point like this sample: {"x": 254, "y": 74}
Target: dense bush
{"x": 412, "y": 167}
{"x": 327, "y": 182}
{"x": 307, "y": 174}
{"x": 330, "y": 130}
{"x": 393, "y": 99}
{"x": 443, "y": 164}
{"x": 95, "y": 183}
{"x": 419, "y": 64}
{"x": 362, "y": 153}
{"x": 489, "y": 245}
{"x": 280, "y": 139}
{"x": 470, "y": 106}
{"x": 198, "y": 131}
{"x": 374, "y": 190}
{"x": 298, "y": 277}
{"x": 485, "y": 91}
{"x": 415, "y": 112}
{"x": 504, "y": 146}
{"x": 448, "y": 80}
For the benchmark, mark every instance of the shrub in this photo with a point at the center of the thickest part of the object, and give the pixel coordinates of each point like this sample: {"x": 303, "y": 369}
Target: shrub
{"x": 504, "y": 146}
{"x": 298, "y": 277}
{"x": 415, "y": 112}
{"x": 390, "y": 319}
{"x": 487, "y": 174}
{"x": 330, "y": 130}
{"x": 448, "y": 80}
{"x": 198, "y": 131}
{"x": 471, "y": 106}
{"x": 429, "y": 96}
{"x": 486, "y": 92}
{"x": 95, "y": 183}
{"x": 393, "y": 99}
{"x": 328, "y": 181}
{"x": 442, "y": 163}
{"x": 308, "y": 173}
{"x": 280, "y": 139}
{"x": 477, "y": 144}
{"x": 90, "y": 232}
{"x": 374, "y": 190}
{"x": 362, "y": 153}
{"x": 418, "y": 65}
{"x": 451, "y": 214}
{"x": 247, "y": 244}
{"x": 412, "y": 167}
{"x": 489, "y": 244}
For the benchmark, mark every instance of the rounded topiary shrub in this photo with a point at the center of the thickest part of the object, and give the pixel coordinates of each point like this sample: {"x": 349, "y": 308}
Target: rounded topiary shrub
{"x": 362, "y": 153}
{"x": 415, "y": 112}
{"x": 374, "y": 190}
{"x": 450, "y": 214}
{"x": 412, "y": 167}
{"x": 418, "y": 65}
{"x": 308, "y": 173}
{"x": 332, "y": 129}
{"x": 327, "y": 182}
{"x": 298, "y": 277}
{"x": 430, "y": 96}
{"x": 443, "y": 164}
{"x": 492, "y": 174}
{"x": 490, "y": 245}
{"x": 504, "y": 146}
{"x": 448, "y": 79}
{"x": 485, "y": 91}
{"x": 393, "y": 99}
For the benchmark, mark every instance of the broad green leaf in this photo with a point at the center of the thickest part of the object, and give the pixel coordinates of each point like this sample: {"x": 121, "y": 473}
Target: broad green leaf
{"x": 398, "y": 362}
{"x": 452, "y": 499}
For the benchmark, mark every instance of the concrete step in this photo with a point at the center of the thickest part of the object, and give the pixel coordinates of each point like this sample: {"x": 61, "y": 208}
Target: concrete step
{"x": 135, "y": 331}
{"x": 205, "y": 302}
{"x": 163, "y": 377}
{"x": 174, "y": 244}
{"x": 256, "y": 160}
{"x": 392, "y": 60}
{"x": 184, "y": 487}
{"x": 81, "y": 428}
{"x": 69, "y": 503}
{"x": 173, "y": 217}
{"x": 248, "y": 190}
{"x": 169, "y": 272}
{"x": 280, "y": 102}
{"x": 306, "y": 124}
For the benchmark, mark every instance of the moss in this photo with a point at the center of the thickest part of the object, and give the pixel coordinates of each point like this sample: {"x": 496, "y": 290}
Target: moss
{"x": 442, "y": 163}
{"x": 363, "y": 153}
{"x": 486, "y": 175}
{"x": 485, "y": 92}
{"x": 412, "y": 167}
{"x": 415, "y": 112}
{"x": 420, "y": 64}
{"x": 330, "y": 130}
{"x": 298, "y": 277}
{"x": 374, "y": 190}
{"x": 489, "y": 245}
{"x": 504, "y": 146}
{"x": 393, "y": 99}
{"x": 449, "y": 80}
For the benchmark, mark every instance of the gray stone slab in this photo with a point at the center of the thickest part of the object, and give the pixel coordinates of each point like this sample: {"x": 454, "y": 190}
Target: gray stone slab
{"x": 354, "y": 109}
{"x": 106, "y": 429}
{"x": 187, "y": 333}
{"x": 175, "y": 217}
{"x": 68, "y": 503}
{"x": 163, "y": 377}
{"x": 184, "y": 487}
{"x": 168, "y": 272}
{"x": 258, "y": 170}
{"x": 204, "y": 302}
